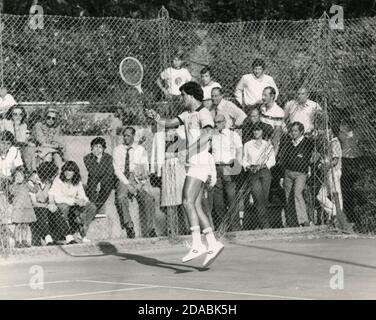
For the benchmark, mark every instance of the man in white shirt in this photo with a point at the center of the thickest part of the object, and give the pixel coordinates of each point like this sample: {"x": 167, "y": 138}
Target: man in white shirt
{"x": 272, "y": 114}
{"x": 227, "y": 153}
{"x": 302, "y": 110}
{"x": 131, "y": 166}
{"x": 198, "y": 124}
{"x": 207, "y": 85}
{"x": 6, "y": 100}
{"x": 234, "y": 115}
{"x": 249, "y": 89}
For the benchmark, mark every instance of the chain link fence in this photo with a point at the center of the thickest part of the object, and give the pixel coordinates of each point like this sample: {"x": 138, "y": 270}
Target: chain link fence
{"x": 74, "y": 60}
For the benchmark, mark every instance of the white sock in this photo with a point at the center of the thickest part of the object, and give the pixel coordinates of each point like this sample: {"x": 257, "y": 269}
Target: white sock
{"x": 196, "y": 237}
{"x": 210, "y": 238}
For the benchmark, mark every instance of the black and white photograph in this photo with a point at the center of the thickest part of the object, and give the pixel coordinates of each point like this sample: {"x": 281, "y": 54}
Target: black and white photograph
{"x": 185, "y": 156}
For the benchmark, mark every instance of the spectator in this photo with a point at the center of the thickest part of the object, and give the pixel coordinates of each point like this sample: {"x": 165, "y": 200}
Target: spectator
{"x": 250, "y": 88}
{"x": 302, "y": 110}
{"x": 258, "y": 158}
{"x": 171, "y": 79}
{"x": 10, "y": 156}
{"x": 227, "y": 154}
{"x": 250, "y": 121}
{"x": 47, "y": 227}
{"x": 131, "y": 167}
{"x": 67, "y": 194}
{"x": 46, "y": 134}
{"x": 272, "y": 114}
{"x": 6, "y": 101}
{"x": 295, "y": 160}
{"x": 101, "y": 176}
{"x": 350, "y": 137}
{"x": 15, "y": 122}
{"x": 234, "y": 115}
{"x": 331, "y": 162}
{"x": 22, "y": 209}
{"x": 207, "y": 85}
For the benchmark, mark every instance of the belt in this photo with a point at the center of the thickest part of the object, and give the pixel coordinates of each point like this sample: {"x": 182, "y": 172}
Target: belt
{"x": 225, "y": 164}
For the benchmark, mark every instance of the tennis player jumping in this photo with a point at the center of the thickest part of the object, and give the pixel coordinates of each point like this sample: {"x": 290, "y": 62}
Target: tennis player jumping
{"x": 198, "y": 124}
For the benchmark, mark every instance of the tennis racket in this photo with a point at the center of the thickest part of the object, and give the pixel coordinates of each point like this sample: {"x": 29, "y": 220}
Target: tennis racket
{"x": 132, "y": 72}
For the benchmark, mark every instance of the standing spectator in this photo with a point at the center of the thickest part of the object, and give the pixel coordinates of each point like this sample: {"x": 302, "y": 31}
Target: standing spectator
{"x": 227, "y": 154}
{"x": 295, "y": 160}
{"x": 67, "y": 194}
{"x": 258, "y": 158}
{"x": 6, "y": 100}
{"x": 172, "y": 78}
{"x": 350, "y": 136}
{"x": 250, "y": 121}
{"x": 273, "y": 114}
{"x": 22, "y": 209}
{"x": 47, "y": 135}
{"x": 331, "y": 162}
{"x": 207, "y": 85}
{"x": 101, "y": 176}
{"x": 48, "y": 224}
{"x": 249, "y": 89}
{"x": 234, "y": 115}
{"x": 10, "y": 156}
{"x": 131, "y": 166}
{"x": 302, "y": 110}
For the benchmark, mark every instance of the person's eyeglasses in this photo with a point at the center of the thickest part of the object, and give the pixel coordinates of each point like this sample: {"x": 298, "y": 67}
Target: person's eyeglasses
{"x": 51, "y": 118}
{"x": 17, "y": 114}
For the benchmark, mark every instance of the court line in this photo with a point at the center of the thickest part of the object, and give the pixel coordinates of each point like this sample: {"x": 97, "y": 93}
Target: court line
{"x": 39, "y": 283}
{"x": 201, "y": 290}
{"x": 87, "y": 293}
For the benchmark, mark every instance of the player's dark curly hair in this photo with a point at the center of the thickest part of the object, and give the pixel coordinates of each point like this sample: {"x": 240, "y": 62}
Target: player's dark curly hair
{"x": 98, "y": 140}
{"x": 258, "y": 63}
{"x": 71, "y": 166}
{"x": 193, "y": 89}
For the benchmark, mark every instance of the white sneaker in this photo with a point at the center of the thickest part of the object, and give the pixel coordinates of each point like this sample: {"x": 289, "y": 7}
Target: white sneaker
{"x": 48, "y": 239}
{"x": 194, "y": 253}
{"x": 85, "y": 240}
{"x": 213, "y": 253}
{"x": 69, "y": 239}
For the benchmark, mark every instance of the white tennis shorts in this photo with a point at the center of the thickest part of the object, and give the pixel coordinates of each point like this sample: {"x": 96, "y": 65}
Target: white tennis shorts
{"x": 198, "y": 171}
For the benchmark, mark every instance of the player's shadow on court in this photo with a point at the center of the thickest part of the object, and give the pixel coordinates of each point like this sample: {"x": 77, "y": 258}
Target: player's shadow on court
{"x": 109, "y": 249}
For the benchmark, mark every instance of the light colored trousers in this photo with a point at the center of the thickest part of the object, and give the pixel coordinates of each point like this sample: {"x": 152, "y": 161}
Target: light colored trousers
{"x": 332, "y": 184}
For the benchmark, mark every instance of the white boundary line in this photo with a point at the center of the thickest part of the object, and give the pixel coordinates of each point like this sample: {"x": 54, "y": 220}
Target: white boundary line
{"x": 39, "y": 283}
{"x": 201, "y": 290}
{"x": 87, "y": 293}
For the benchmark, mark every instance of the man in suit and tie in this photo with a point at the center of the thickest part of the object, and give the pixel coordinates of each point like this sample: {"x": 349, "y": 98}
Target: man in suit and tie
{"x": 131, "y": 167}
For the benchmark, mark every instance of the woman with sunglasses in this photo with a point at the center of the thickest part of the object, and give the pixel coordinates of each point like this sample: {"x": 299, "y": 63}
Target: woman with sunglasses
{"x": 47, "y": 136}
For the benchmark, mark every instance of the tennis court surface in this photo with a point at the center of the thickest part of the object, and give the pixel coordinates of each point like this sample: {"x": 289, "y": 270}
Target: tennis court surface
{"x": 275, "y": 269}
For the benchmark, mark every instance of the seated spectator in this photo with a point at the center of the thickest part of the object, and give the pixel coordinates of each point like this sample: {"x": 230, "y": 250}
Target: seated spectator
{"x": 302, "y": 110}
{"x": 67, "y": 194}
{"x": 47, "y": 229}
{"x": 296, "y": 153}
{"x": 22, "y": 209}
{"x": 101, "y": 176}
{"x": 131, "y": 167}
{"x": 258, "y": 158}
{"x": 15, "y": 122}
{"x": 10, "y": 156}
{"x": 6, "y": 101}
{"x": 272, "y": 114}
{"x": 46, "y": 134}
{"x": 331, "y": 164}
{"x": 233, "y": 114}
{"x": 207, "y": 85}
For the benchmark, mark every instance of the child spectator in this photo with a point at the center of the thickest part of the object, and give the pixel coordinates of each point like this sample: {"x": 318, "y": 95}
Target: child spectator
{"x": 68, "y": 195}
{"x": 22, "y": 212}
